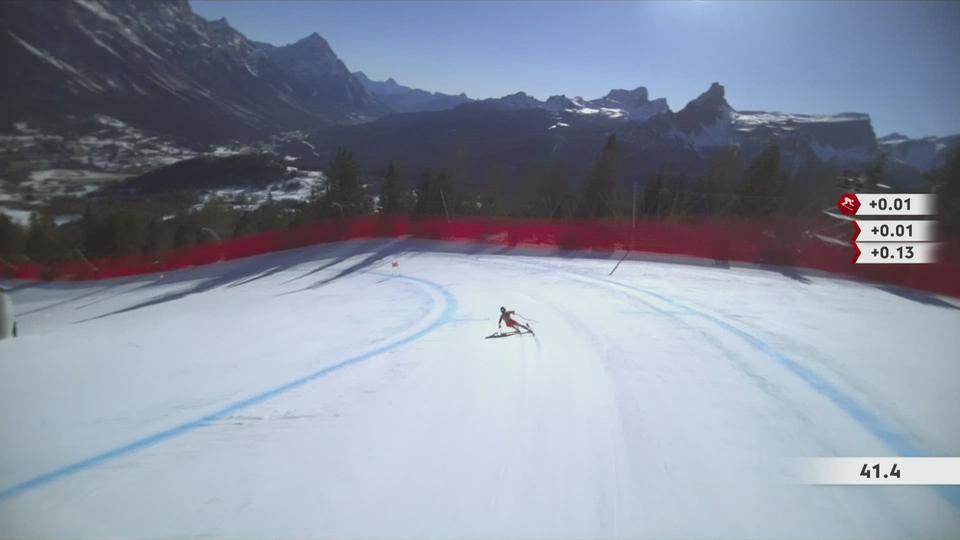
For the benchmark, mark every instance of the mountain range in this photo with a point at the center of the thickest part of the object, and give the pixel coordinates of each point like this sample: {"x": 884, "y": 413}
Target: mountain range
{"x": 160, "y": 67}
{"x": 403, "y": 99}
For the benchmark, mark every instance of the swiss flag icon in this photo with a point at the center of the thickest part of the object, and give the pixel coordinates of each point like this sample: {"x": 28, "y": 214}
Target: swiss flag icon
{"x": 849, "y": 204}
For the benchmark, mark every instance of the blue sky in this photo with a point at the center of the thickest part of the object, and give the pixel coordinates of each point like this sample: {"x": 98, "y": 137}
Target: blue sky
{"x": 897, "y": 61}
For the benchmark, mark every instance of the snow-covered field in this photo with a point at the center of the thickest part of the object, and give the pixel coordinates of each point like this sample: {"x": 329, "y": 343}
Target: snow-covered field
{"x": 77, "y": 166}
{"x": 323, "y": 393}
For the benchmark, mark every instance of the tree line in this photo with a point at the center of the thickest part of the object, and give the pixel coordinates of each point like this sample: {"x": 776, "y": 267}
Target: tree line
{"x": 726, "y": 187}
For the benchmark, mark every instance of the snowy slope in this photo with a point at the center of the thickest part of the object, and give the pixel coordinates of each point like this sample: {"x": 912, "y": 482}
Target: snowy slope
{"x": 314, "y": 393}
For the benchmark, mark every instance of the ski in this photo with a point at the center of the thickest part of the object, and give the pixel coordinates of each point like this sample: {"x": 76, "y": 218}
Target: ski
{"x": 507, "y": 334}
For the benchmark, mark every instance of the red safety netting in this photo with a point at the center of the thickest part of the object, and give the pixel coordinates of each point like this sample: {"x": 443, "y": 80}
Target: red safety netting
{"x": 774, "y": 242}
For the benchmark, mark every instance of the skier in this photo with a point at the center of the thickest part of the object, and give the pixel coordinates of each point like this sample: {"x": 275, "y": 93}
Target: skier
{"x": 507, "y": 317}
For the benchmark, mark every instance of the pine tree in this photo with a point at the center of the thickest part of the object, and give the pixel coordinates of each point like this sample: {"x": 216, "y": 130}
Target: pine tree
{"x": 184, "y": 236}
{"x": 217, "y": 216}
{"x": 763, "y": 185}
{"x": 600, "y": 193}
{"x": 946, "y": 184}
{"x": 878, "y": 169}
{"x": 424, "y": 193}
{"x": 652, "y": 199}
{"x": 245, "y": 225}
{"x": 156, "y": 237}
{"x": 720, "y": 182}
{"x": 544, "y": 193}
{"x": 392, "y": 199}
{"x": 268, "y": 216}
{"x": 344, "y": 194}
{"x": 680, "y": 197}
{"x": 93, "y": 237}
{"x": 448, "y": 193}
{"x": 436, "y": 194}
{"x": 11, "y": 238}
{"x": 491, "y": 197}
{"x": 42, "y": 244}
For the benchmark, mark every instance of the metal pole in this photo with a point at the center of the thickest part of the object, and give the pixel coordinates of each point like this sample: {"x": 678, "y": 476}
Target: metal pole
{"x": 659, "y": 199}
{"x": 216, "y": 237}
{"x": 84, "y": 259}
{"x": 633, "y": 228}
{"x": 212, "y": 233}
{"x": 443, "y": 200}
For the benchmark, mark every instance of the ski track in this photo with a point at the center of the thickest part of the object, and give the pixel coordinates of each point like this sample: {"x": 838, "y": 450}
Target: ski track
{"x": 631, "y": 413}
{"x": 895, "y": 441}
{"x": 899, "y": 444}
{"x": 185, "y": 428}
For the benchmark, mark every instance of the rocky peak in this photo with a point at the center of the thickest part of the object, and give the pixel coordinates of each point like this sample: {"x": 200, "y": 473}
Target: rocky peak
{"x": 629, "y": 98}
{"x": 713, "y": 98}
{"x": 313, "y": 44}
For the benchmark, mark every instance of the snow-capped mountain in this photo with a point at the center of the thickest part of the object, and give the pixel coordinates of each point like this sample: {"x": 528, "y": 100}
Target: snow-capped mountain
{"x": 709, "y": 121}
{"x": 321, "y": 80}
{"x": 921, "y": 154}
{"x": 160, "y": 67}
{"x": 617, "y": 104}
{"x": 403, "y": 99}
{"x": 635, "y": 103}
{"x": 517, "y": 131}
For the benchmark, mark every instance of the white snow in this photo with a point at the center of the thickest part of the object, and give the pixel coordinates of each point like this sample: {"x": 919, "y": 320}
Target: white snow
{"x": 59, "y": 64}
{"x": 321, "y": 393}
{"x": 66, "y": 218}
{"x": 757, "y": 118}
{"x": 110, "y": 121}
{"x": 298, "y": 188}
{"x": 224, "y": 151}
{"x": 97, "y": 9}
{"x": 56, "y": 182}
{"x": 19, "y": 216}
{"x": 25, "y": 128}
{"x": 132, "y": 37}
{"x": 602, "y": 111}
{"x": 93, "y": 37}
{"x": 115, "y": 150}
{"x": 720, "y": 133}
{"x": 923, "y": 154}
{"x": 894, "y": 141}
{"x": 855, "y": 154}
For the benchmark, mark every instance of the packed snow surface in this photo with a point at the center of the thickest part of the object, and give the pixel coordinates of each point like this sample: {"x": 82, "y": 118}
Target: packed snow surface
{"x": 754, "y": 118}
{"x": 323, "y": 392}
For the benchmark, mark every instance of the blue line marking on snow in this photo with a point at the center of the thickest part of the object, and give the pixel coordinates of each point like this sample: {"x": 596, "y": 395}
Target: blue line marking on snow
{"x": 851, "y": 406}
{"x": 450, "y": 308}
{"x": 856, "y": 410}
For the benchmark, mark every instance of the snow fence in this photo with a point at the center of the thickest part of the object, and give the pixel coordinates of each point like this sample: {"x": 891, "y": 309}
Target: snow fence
{"x": 775, "y": 242}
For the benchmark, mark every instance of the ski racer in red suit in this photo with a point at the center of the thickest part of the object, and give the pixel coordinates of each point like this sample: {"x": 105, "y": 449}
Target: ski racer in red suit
{"x": 506, "y": 317}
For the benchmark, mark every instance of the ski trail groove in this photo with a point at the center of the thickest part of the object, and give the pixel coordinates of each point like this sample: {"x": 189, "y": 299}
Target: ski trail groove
{"x": 852, "y": 407}
{"x": 449, "y": 308}
{"x": 898, "y": 443}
